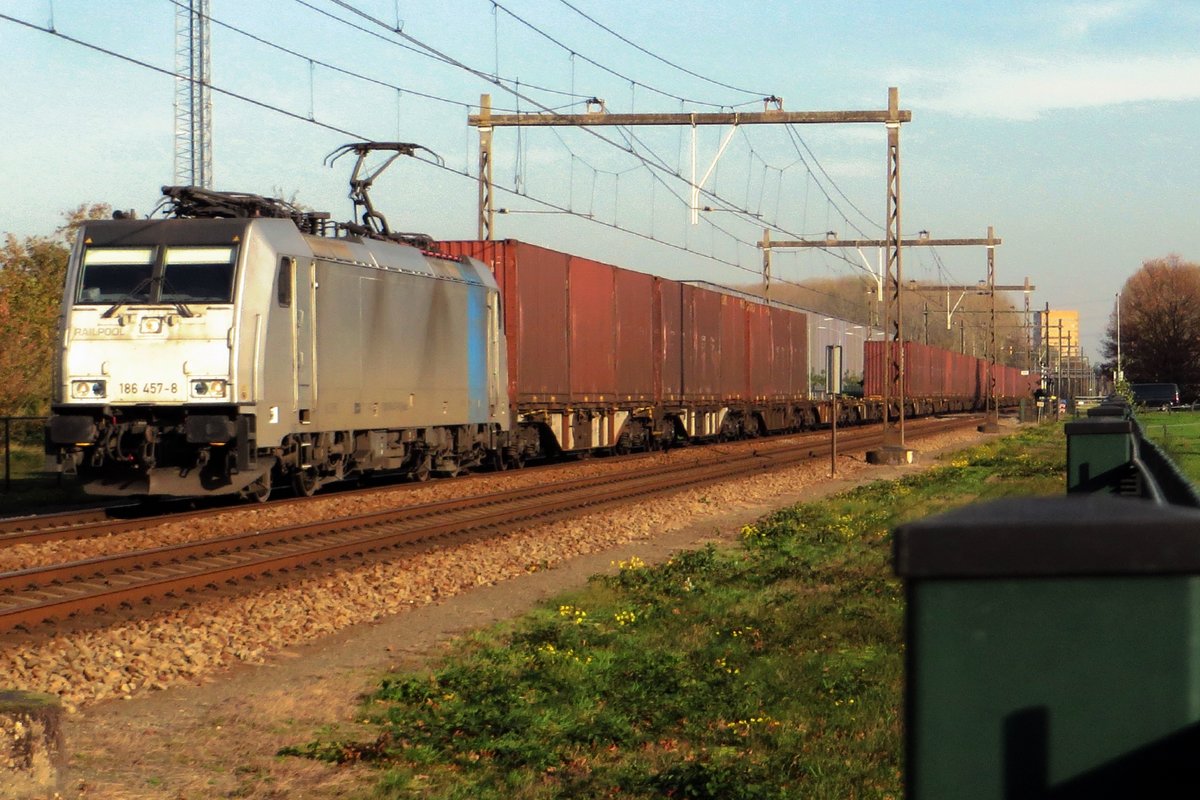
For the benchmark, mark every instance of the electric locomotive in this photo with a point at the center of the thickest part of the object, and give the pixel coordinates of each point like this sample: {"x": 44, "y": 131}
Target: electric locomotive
{"x": 234, "y": 347}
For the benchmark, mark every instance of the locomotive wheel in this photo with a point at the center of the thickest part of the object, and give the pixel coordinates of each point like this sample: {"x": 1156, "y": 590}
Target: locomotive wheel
{"x": 259, "y": 491}
{"x": 421, "y": 473}
{"x": 305, "y": 482}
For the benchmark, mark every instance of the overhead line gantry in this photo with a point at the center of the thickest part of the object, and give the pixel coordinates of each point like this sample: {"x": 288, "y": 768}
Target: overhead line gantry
{"x": 894, "y": 446}
{"x": 892, "y": 117}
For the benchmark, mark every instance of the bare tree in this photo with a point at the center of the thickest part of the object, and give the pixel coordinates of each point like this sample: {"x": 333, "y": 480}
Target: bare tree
{"x": 1160, "y": 324}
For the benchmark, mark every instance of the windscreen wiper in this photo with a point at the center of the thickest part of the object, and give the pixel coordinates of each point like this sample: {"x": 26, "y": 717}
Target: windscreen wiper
{"x": 142, "y": 284}
{"x": 183, "y": 310}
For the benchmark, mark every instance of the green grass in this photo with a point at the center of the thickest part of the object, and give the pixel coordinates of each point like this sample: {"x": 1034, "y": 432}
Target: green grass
{"x": 770, "y": 670}
{"x": 1178, "y": 434}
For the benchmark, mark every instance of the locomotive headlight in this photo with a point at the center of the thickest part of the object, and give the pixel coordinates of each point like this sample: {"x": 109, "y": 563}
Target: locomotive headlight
{"x": 208, "y": 388}
{"x": 84, "y": 389}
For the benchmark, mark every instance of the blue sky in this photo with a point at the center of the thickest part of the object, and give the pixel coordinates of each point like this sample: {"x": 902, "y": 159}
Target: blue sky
{"x": 1068, "y": 126}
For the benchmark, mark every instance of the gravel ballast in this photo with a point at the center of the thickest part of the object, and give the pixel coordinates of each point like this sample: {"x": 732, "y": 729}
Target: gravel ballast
{"x": 193, "y": 703}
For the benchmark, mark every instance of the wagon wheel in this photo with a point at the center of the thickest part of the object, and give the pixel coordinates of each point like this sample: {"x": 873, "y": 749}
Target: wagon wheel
{"x": 305, "y": 482}
{"x": 665, "y": 439}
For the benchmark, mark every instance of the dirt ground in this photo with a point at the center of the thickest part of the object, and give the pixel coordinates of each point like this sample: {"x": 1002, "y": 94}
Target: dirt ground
{"x": 219, "y": 738}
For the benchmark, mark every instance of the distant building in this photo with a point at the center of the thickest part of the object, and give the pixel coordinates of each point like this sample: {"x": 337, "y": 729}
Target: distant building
{"x": 1065, "y": 371}
{"x": 1062, "y": 334}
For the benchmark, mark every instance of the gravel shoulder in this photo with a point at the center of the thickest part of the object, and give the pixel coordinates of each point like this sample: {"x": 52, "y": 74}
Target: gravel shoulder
{"x": 280, "y": 666}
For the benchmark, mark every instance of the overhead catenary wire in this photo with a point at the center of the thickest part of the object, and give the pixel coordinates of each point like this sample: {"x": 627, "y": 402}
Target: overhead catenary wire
{"x": 311, "y": 61}
{"x": 500, "y": 80}
{"x": 311, "y": 119}
{"x": 171, "y": 73}
{"x": 633, "y": 82}
{"x": 797, "y": 143}
{"x": 325, "y": 64}
{"x": 627, "y": 148}
{"x": 657, "y": 57}
{"x": 495, "y": 80}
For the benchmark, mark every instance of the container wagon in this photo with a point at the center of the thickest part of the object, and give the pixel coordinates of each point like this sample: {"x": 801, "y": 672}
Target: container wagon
{"x": 940, "y": 381}
{"x": 604, "y": 357}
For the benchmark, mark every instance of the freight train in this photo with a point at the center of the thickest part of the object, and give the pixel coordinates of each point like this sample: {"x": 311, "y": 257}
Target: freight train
{"x": 242, "y": 344}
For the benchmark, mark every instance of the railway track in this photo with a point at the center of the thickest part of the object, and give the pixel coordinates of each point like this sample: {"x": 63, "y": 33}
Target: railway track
{"x": 115, "y": 520}
{"x": 53, "y": 593}
{"x": 31, "y": 525}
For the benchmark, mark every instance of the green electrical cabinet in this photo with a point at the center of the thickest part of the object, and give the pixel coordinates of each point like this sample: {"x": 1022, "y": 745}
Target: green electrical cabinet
{"x": 1099, "y": 452}
{"x": 1053, "y": 650}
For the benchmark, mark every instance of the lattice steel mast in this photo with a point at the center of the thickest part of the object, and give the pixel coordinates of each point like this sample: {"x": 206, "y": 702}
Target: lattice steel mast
{"x": 193, "y": 97}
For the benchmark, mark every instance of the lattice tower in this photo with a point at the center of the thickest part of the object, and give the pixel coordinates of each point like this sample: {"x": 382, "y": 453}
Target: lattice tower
{"x": 193, "y": 98}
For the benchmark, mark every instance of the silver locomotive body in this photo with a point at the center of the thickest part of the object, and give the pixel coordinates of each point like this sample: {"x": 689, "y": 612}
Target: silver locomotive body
{"x": 214, "y": 356}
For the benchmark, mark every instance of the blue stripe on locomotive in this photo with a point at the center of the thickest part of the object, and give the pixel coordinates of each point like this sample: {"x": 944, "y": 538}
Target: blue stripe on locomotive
{"x": 477, "y": 333}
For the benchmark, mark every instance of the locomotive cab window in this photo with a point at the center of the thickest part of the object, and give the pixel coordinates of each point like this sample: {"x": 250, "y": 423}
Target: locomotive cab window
{"x": 112, "y": 274}
{"x": 143, "y": 275}
{"x": 285, "y": 282}
{"x": 197, "y": 275}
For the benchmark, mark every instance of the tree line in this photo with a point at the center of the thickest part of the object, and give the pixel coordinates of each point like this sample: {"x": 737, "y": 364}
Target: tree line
{"x": 924, "y": 310}
{"x": 32, "y": 273}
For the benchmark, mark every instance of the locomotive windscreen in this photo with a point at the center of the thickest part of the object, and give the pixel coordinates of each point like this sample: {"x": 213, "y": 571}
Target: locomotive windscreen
{"x": 115, "y": 273}
{"x": 197, "y": 275}
{"x": 157, "y": 275}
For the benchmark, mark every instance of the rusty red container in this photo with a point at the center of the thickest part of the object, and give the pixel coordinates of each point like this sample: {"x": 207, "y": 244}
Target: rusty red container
{"x": 877, "y": 368}
{"x": 668, "y": 340}
{"x": 789, "y": 335}
{"x": 533, "y": 289}
{"x": 701, "y": 354}
{"x": 580, "y": 331}
{"x": 734, "y": 367}
{"x": 636, "y": 331}
{"x": 592, "y": 334}
{"x": 801, "y": 368}
{"x": 583, "y": 332}
{"x": 919, "y": 370}
{"x": 760, "y": 349}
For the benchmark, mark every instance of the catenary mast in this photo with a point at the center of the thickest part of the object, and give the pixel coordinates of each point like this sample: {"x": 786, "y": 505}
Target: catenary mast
{"x": 193, "y": 97}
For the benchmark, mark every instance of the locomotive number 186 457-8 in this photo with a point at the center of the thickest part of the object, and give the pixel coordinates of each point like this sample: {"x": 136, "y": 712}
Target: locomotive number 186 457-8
{"x": 149, "y": 388}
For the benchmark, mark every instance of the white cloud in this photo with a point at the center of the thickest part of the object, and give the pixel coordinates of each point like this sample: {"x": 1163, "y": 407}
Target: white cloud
{"x": 1077, "y": 20}
{"x": 1026, "y": 88}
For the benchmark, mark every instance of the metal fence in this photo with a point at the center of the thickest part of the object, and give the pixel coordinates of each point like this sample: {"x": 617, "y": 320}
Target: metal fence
{"x": 21, "y": 431}
{"x": 1050, "y": 641}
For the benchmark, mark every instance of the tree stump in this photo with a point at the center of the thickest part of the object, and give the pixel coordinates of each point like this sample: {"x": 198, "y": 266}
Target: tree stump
{"x": 32, "y": 754}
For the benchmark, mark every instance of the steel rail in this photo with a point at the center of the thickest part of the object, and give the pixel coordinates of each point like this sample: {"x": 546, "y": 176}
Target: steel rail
{"x": 96, "y": 522}
{"x": 92, "y": 523}
{"x": 33, "y": 525}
